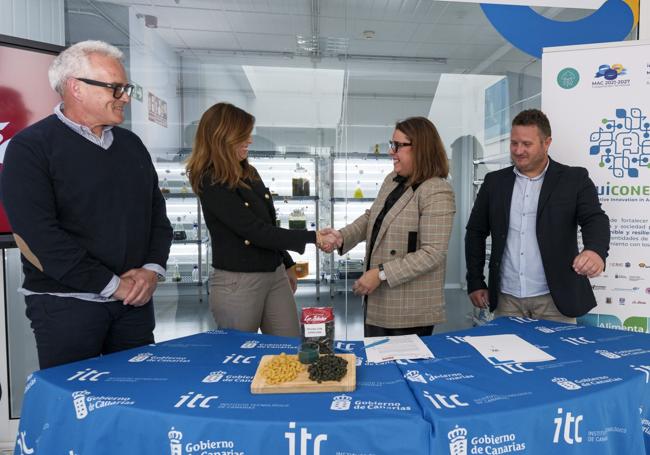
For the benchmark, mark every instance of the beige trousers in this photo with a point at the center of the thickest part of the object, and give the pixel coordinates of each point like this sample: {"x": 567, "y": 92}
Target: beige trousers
{"x": 254, "y": 300}
{"x": 539, "y": 307}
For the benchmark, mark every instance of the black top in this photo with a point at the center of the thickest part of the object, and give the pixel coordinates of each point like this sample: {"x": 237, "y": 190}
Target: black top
{"x": 84, "y": 212}
{"x": 568, "y": 199}
{"x": 392, "y": 198}
{"x": 242, "y": 228}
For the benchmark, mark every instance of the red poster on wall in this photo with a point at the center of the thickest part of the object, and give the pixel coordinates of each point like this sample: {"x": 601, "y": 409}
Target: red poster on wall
{"x": 25, "y": 93}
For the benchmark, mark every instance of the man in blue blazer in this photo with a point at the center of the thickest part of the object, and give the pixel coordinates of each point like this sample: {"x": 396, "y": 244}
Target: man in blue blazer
{"x": 532, "y": 212}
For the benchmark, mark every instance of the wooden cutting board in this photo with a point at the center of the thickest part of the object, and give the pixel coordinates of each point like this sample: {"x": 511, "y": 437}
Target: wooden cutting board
{"x": 302, "y": 383}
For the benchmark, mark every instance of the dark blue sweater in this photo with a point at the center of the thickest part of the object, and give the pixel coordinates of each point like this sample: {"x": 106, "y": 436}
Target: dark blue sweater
{"x": 84, "y": 212}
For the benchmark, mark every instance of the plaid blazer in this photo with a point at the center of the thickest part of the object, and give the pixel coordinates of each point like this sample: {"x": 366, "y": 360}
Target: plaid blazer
{"x": 412, "y": 244}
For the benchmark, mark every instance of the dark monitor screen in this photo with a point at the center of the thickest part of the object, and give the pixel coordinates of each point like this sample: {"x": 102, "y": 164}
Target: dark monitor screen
{"x": 25, "y": 95}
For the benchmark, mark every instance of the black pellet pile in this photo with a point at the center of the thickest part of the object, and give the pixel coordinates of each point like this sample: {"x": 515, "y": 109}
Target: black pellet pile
{"x": 328, "y": 368}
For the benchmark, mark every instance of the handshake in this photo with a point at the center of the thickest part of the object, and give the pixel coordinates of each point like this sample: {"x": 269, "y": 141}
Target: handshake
{"x": 329, "y": 239}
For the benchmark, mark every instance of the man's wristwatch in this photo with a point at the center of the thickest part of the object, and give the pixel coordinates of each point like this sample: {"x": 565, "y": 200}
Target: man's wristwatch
{"x": 382, "y": 274}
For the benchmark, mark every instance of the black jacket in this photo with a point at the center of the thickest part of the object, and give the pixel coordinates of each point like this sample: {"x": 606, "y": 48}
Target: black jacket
{"x": 242, "y": 228}
{"x": 568, "y": 199}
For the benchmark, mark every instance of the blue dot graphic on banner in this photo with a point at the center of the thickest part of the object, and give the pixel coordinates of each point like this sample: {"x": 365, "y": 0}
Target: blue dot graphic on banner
{"x": 530, "y": 32}
{"x": 622, "y": 144}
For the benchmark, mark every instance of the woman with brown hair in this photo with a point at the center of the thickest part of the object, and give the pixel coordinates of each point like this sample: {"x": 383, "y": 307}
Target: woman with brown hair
{"x": 253, "y": 280}
{"x": 407, "y": 231}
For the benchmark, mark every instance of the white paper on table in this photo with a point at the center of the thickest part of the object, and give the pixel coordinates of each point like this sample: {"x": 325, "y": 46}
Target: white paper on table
{"x": 383, "y": 349}
{"x": 507, "y": 348}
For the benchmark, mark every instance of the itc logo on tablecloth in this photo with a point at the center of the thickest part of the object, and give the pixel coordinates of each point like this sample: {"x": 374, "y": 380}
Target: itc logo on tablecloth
{"x": 88, "y": 375}
{"x": 22, "y": 444}
{"x": 568, "y": 427}
{"x": 521, "y": 320}
{"x": 238, "y": 358}
{"x": 643, "y": 369}
{"x": 305, "y": 437}
{"x": 510, "y": 368}
{"x": 440, "y": 401}
{"x": 576, "y": 341}
{"x": 341, "y": 346}
{"x": 191, "y": 400}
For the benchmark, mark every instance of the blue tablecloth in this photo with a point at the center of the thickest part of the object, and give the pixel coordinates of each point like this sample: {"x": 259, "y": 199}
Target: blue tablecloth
{"x": 192, "y": 396}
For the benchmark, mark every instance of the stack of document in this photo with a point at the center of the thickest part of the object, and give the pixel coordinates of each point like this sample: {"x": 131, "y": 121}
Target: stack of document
{"x": 507, "y": 349}
{"x": 383, "y": 349}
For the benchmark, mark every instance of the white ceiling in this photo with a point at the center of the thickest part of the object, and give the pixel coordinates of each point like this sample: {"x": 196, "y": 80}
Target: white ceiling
{"x": 404, "y": 30}
{"x": 415, "y": 41}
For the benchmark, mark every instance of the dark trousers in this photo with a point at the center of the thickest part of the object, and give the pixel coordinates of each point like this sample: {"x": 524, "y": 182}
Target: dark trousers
{"x": 375, "y": 331}
{"x": 69, "y": 329}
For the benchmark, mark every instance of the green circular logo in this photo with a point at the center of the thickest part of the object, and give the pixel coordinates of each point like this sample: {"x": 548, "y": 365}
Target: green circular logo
{"x": 568, "y": 78}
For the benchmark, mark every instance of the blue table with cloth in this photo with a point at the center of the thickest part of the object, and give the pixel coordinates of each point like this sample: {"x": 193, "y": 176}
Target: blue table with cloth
{"x": 192, "y": 396}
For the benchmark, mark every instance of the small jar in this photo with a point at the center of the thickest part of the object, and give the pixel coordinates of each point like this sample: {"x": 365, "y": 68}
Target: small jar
{"x": 302, "y": 269}
{"x": 297, "y": 219}
{"x": 308, "y": 352}
{"x": 300, "y": 181}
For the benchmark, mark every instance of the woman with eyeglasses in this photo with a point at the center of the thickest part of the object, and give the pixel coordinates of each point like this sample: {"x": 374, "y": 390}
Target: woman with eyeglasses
{"x": 253, "y": 278}
{"x": 406, "y": 231}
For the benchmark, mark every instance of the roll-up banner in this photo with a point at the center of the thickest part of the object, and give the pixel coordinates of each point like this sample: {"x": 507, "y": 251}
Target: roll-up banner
{"x": 597, "y": 98}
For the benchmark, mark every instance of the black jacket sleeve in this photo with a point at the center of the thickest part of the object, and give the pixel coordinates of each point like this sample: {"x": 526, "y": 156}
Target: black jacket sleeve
{"x": 229, "y": 209}
{"x": 476, "y": 231}
{"x": 287, "y": 260}
{"x": 593, "y": 221}
{"x": 33, "y": 218}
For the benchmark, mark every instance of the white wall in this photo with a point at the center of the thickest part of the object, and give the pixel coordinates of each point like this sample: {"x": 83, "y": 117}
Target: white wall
{"x": 458, "y": 108}
{"x": 39, "y": 20}
{"x": 154, "y": 66}
{"x": 205, "y": 84}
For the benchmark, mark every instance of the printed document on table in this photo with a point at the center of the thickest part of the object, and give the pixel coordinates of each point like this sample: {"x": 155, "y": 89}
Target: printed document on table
{"x": 507, "y": 349}
{"x": 383, "y": 349}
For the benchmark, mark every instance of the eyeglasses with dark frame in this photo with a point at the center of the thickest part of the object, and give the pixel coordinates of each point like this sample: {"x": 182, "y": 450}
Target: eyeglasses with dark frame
{"x": 118, "y": 89}
{"x": 395, "y": 146}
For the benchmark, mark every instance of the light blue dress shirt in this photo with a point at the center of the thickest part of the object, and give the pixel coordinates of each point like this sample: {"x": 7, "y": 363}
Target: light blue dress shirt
{"x": 522, "y": 271}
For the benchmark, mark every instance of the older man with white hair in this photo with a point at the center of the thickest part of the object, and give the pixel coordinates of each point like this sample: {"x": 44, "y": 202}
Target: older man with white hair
{"x": 83, "y": 200}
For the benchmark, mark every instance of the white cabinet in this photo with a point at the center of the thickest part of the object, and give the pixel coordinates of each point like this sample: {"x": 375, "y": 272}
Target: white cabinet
{"x": 189, "y": 258}
{"x": 356, "y": 179}
{"x": 293, "y": 180}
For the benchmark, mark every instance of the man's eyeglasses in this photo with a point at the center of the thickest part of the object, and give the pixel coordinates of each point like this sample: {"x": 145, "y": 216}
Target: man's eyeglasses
{"x": 395, "y": 146}
{"x": 118, "y": 89}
